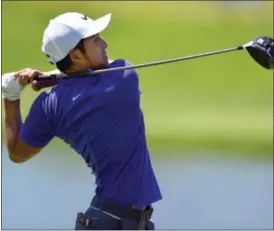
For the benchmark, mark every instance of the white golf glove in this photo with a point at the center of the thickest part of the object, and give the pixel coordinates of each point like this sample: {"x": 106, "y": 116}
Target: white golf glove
{"x": 11, "y": 89}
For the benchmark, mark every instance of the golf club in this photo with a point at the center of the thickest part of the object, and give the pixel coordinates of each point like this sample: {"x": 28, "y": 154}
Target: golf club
{"x": 260, "y": 49}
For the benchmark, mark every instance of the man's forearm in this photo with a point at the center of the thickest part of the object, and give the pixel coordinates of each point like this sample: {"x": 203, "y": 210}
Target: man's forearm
{"x": 13, "y": 123}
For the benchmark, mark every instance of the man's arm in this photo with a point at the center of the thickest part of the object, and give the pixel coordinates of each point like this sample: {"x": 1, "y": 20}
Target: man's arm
{"x": 23, "y": 140}
{"x": 18, "y": 150}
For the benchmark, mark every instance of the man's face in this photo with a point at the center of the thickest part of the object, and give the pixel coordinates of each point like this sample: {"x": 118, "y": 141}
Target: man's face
{"x": 94, "y": 55}
{"x": 95, "y": 52}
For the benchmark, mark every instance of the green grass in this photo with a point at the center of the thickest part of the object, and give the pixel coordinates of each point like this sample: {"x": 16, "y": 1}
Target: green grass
{"x": 222, "y": 102}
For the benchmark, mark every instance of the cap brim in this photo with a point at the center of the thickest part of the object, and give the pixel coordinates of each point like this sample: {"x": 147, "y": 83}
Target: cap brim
{"x": 98, "y": 25}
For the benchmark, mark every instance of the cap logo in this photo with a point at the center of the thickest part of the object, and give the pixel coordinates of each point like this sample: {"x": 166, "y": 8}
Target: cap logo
{"x": 84, "y": 17}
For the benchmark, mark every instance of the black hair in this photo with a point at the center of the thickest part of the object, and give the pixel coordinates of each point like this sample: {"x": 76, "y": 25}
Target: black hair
{"x": 64, "y": 64}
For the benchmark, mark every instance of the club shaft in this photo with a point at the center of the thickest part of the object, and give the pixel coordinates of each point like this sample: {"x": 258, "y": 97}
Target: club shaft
{"x": 45, "y": 76}
{"x": 166, "y": 61}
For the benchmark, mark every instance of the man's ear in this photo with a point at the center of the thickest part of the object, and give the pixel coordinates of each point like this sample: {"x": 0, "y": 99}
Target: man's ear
{"x": 76, "y": 56}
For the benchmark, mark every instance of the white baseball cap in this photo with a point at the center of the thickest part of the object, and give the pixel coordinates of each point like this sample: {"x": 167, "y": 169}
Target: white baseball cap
{"x": 65, "y": 31}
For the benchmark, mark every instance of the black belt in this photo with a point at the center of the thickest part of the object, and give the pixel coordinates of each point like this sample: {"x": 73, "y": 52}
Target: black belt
{"x": 121, "y": 211}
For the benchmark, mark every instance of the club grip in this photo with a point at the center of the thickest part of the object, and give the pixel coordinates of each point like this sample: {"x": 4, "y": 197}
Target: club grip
{"x": 44, "y": 81}
{"x": 44, "y": 76}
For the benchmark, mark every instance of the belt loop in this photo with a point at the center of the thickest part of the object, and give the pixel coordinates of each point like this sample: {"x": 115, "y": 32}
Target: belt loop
{"x": 145, "y": 217}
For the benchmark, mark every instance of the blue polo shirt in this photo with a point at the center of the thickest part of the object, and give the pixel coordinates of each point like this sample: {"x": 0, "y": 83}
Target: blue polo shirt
{"x": 100, "y": 117}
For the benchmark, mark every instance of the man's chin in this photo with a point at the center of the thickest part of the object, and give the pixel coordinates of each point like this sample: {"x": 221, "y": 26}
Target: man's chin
{"x": 100, "y": 66}
{"x": 103, "y": 66}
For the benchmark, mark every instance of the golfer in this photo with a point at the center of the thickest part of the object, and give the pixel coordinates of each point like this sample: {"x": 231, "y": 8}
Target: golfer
{"x": 99, "y": 116}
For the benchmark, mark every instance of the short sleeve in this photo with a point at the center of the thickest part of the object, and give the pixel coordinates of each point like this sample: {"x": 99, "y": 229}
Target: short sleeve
{"x": 131, "y": 72}
{"x": 36, "y": 130}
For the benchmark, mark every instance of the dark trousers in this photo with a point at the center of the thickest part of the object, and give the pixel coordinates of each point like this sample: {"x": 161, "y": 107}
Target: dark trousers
{"x": 107, "y": 215}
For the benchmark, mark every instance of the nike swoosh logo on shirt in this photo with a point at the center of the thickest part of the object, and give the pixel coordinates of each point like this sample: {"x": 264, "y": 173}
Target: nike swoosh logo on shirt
{"x": 75, "y": 97}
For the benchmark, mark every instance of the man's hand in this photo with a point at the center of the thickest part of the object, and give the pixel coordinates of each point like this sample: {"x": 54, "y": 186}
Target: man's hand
{"x": 26, "y": 76}
{"x": 13, "y": 83}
